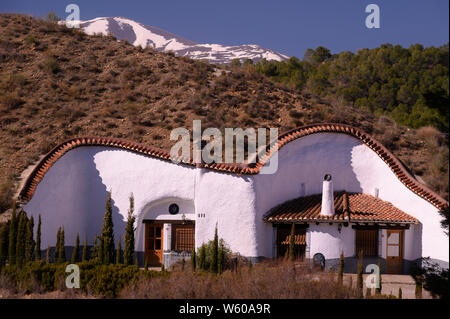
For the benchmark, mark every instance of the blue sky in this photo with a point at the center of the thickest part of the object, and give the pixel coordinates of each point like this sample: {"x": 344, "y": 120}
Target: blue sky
{"x": 287, "y": 26}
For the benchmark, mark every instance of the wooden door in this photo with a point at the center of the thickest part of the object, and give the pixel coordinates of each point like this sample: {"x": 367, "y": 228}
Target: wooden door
{"x": 154, "y": 244}
{"x": 394, "y": 251}
{"x": 283, "y": 239}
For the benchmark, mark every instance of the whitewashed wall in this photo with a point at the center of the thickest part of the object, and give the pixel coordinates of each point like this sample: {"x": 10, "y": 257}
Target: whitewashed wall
{"x": 74, "y": 190}
{"x": 355, "y": 168}
{"x": 326, "y": 239}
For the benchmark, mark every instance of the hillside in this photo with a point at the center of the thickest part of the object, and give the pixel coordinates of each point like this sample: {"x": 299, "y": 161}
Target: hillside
{"x": 58, "y": 83}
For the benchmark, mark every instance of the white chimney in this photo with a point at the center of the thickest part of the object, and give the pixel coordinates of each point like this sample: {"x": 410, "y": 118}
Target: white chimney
{"x": 327, "y": 196}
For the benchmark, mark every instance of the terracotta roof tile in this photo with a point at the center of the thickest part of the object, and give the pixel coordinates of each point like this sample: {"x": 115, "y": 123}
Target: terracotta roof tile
{"x": 348, "y": 207}
{"x": 410, "y": 182}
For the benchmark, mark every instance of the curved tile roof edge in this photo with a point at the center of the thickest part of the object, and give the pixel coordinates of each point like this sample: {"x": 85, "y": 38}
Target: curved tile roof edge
{"x": 394, "y": 164}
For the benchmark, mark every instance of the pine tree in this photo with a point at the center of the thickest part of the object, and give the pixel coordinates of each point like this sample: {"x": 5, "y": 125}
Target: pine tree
{"x": 3, "y": 244}
{"x": 38, "y": 240}
{"x": 359, "y": 284}
{"x": 29, "y": 241}
{"x": 57, "y": 256}
{"x": 213, "y": 266}
{"x": 193, "y": 260}
{"x": 85, "y": 250}
{"x": 12, "y": 241}
{"x": 76, "y": 250}
{"x": 119, "y": 252}
{"x": 107, "y": 236}
{"x": 341, "y": 269}
{"x": 21, "y": 239}
{"x": 129, "y": 235}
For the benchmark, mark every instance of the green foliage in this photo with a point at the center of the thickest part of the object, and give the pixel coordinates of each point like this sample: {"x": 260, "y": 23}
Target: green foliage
{"x": 38, "y": 240}
{"x": 12, "y": 236}
{"x": 49, "y": 65}
{"x": 107, "y": 237}
{"x": 85, "y": 251}
{"x": 214, "y": 262}
{"x": 129, "y": 235}
{"x": 432, "y": 277}
{"x": 4, "y": 229}
{"x": 21, "y": 239}
{"x": 29, "y": 241}
{"x": 102, "y": 280}
{"x": 76, "y": 250}
{"x": 119, "y": 253}
{"x": 58, "y": 244}
{"x": 400, "y": 293}
{"x": 213, "y": 253}
{"x": 193, "y": 260}
{"x": 52, "y": 17}
{"x": 418, "y": 291}
{"x": 410, "y": 85}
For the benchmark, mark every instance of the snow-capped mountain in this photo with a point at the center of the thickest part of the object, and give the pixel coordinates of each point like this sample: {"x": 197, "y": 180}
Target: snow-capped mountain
{"x": 139, "y": 34}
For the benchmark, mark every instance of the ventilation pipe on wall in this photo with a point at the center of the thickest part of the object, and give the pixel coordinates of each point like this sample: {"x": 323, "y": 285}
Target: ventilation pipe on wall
{"x": 327, "y": 196}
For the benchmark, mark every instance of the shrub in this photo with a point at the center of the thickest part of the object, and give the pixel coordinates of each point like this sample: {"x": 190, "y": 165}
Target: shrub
{"x": 49, "y": 65}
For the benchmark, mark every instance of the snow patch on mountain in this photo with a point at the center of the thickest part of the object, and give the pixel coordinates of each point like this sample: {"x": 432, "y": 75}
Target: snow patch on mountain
{"x": 161, "y": 40}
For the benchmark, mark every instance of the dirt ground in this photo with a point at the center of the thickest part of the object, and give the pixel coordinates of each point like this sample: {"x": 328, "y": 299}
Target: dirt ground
{"x": 390, "y": 284}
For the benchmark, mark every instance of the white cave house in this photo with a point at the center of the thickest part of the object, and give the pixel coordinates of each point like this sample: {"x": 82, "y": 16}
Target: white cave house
{"x": 344, "y": 191}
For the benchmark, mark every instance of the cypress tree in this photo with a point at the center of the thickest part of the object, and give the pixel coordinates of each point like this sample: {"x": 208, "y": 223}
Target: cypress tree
{"x": 213, "y": 266}
{"x": 292, "y": 243}
{"x": 47, "y": 255}
{"x": 62, "y": 247}
{"x": 341, "y": 269}
{"x": 38, "y": 239}
{"x": 107, "y": 236}
{"x": 193, "y": 259}
{"x": 129, "y": 235}
{"x": 76, "y": 250}
{"x": 85, "y": 251}
{"x": 400, "y": 293}
{"x": 57, "y": 256}
{"x": 368, "y": 292}
{"x": 3, "y": 244}
{"x": 221, "y": 264}
{"x": 29, "y": 241}
{"x": 119, "y": 252}
{"x": 12, "y": 236}
{"x": 202, "y": 257}
{"x": 21, "y": 239}
{"x": 418, "y": 290}
{"x": 359, "y": 284}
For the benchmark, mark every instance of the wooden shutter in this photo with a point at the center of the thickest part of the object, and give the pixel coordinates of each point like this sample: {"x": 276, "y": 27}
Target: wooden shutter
{"x": 367, "y": 241}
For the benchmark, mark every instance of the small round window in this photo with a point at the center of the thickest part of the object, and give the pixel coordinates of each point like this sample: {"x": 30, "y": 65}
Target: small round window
{"x": 174, "y": 209}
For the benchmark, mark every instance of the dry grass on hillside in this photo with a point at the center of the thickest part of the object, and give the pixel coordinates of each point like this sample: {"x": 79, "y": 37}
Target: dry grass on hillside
{"x": 58, "y": 83}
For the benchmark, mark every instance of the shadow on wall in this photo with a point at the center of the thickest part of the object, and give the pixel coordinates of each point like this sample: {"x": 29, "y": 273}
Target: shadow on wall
{"x": 73, "y": 195}
{"x": 302, "y": 166}
{"x": 97, "y": 209}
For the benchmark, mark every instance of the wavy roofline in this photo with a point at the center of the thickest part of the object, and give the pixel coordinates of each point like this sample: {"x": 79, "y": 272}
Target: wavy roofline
{"x": 390, "y": 159}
